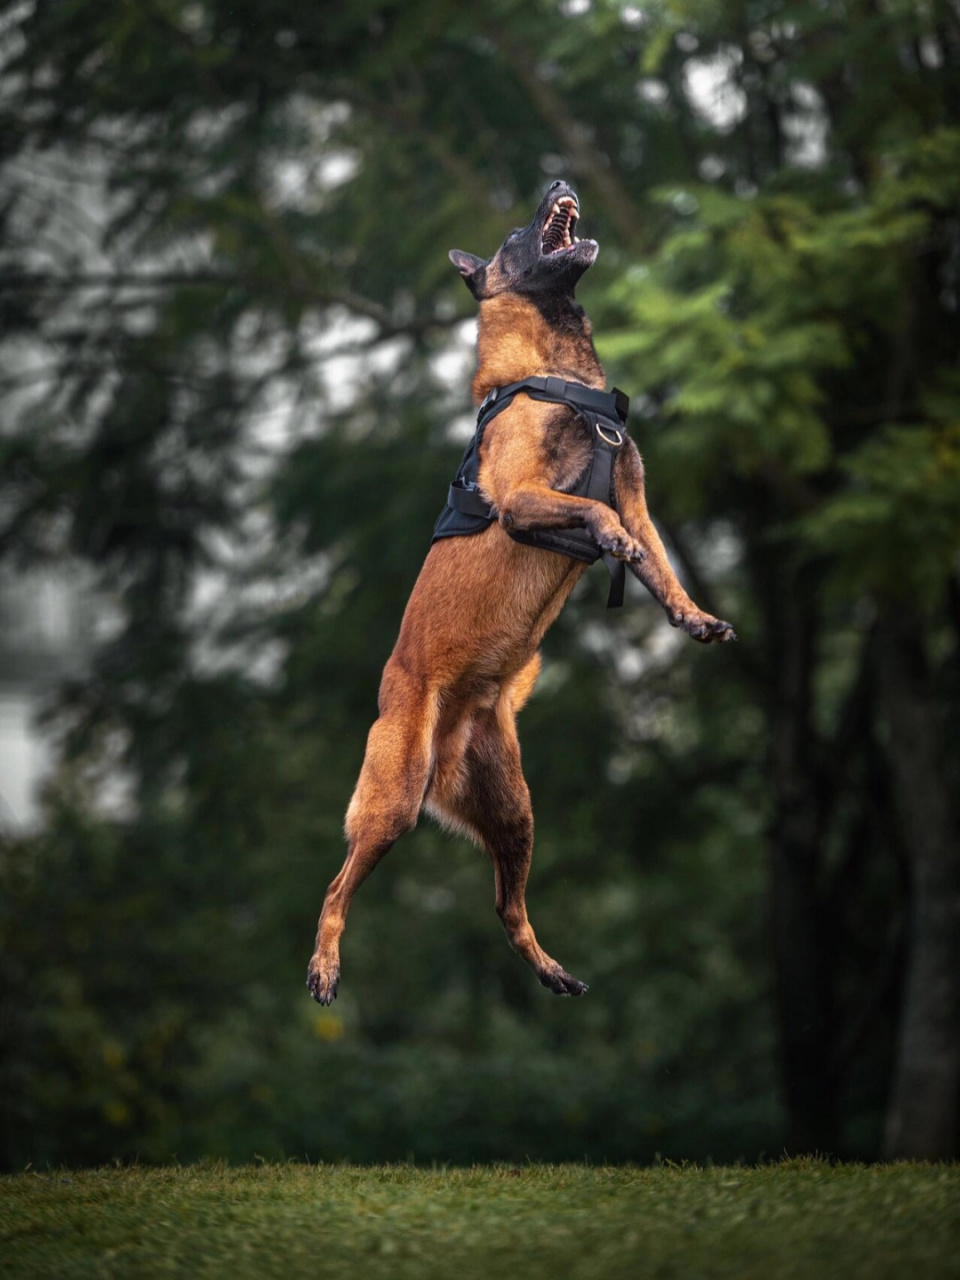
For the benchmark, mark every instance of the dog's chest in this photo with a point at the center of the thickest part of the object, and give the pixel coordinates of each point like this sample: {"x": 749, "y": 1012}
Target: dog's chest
{"x": 565, "y": 448}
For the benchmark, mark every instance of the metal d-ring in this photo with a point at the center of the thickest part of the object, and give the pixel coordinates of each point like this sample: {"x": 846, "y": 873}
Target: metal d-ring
{"x": 603, "y": 436}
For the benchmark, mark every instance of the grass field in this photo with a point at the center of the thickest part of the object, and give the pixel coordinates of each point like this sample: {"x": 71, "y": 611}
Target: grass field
{"x": 798, "y": 1218}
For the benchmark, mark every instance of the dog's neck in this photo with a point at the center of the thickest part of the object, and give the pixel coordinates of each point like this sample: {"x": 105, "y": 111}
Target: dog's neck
{"x": 520, "y": 339}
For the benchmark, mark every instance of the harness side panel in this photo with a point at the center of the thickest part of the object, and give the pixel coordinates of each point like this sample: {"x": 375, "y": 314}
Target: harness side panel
{"x": 454, "y": 522}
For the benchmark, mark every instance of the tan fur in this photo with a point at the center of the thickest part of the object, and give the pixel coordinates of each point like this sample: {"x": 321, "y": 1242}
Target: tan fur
{"x": 467, "y": 657}
{"x": 515, "y": 341}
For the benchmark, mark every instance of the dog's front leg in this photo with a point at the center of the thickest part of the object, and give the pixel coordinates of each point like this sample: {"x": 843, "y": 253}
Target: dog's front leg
{"x": 654, "y": 570}
{"x": 531, "y": 506}
{"x": 515, "y": 472}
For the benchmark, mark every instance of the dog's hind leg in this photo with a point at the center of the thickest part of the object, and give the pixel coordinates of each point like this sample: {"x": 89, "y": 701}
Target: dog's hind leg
{"x": 487, "y": 796}
{"x": 385, "y": 804}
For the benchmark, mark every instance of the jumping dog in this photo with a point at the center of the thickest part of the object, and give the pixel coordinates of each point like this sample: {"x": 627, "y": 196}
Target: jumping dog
{"x": 467, "y": 656}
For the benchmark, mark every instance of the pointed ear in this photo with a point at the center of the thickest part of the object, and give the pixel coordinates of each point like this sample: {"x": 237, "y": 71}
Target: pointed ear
{"x": 472, "y": 268}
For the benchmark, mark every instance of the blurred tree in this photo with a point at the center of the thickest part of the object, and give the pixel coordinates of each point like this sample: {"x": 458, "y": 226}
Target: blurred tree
{"x": 804, "y": 343}
{"x": 228, "y": 329}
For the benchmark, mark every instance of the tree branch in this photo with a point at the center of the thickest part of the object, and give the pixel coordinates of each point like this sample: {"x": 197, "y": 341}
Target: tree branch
{"x": 573, "y": 137}
{"x": 305, "y": 291}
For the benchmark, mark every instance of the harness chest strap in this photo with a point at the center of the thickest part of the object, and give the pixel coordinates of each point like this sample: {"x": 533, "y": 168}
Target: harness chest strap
{"x": 601, "y": 482}
{"x": 467, "y": 512}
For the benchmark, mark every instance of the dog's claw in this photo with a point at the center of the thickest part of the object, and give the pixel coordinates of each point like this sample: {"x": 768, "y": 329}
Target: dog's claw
{"x": 621, "y": 546}
{"x": 323, "y": 989}
{"x": 716, "y": 631}
{"x": 562, "y": 983}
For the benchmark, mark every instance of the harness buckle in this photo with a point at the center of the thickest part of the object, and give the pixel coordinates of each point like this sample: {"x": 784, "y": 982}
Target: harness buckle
{"x": 489, "y": 398}
{"x": 614, "y": 444}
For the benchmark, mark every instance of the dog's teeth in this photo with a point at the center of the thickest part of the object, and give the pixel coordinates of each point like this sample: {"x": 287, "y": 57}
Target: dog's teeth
{"x": 558, "y": 234}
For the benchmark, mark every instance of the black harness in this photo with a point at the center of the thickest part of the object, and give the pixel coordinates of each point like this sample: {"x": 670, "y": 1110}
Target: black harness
{"x": 468, "y": 512}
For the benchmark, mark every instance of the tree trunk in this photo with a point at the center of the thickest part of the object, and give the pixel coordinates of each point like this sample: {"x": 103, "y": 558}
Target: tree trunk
{"x": 922, "y": 1115}
{"x": 800, "y": 951}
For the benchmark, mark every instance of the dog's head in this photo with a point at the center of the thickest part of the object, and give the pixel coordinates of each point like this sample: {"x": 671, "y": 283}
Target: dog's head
{"x": 544, "y": 258}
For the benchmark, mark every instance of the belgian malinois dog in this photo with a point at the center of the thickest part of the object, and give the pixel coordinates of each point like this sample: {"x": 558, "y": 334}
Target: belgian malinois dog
{"x": 467, "y": 658}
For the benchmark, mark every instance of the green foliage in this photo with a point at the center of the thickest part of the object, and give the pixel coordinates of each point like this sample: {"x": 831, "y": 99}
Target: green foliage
{"x": 225, "y": 232}
{"x": 897, "y": 526}
{"x": 744, "y": 319}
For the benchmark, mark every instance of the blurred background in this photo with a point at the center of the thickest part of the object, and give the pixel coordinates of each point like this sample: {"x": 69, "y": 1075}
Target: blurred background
{"x": 235, "y": 365}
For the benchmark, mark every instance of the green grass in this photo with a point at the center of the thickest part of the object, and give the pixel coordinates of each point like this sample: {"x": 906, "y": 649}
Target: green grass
{"x": 566, "y": 1222}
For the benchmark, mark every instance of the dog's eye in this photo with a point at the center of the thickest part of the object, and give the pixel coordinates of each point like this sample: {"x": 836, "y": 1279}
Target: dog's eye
{"x": 515, "y": 232}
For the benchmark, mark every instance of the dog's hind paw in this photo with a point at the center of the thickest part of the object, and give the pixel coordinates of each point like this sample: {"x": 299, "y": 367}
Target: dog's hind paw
{"x": 562, "y": 983}
{"x": 322, "y": 981}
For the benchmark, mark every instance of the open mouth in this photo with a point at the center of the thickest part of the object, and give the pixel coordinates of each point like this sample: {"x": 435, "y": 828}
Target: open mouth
{"x": 559, "y": 226}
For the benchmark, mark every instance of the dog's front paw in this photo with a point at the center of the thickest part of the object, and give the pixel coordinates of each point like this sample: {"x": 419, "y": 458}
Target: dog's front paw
{"x": 323, "y": 979}
{"x": 702, "y": 626}
{"x": 617, "y": 542}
